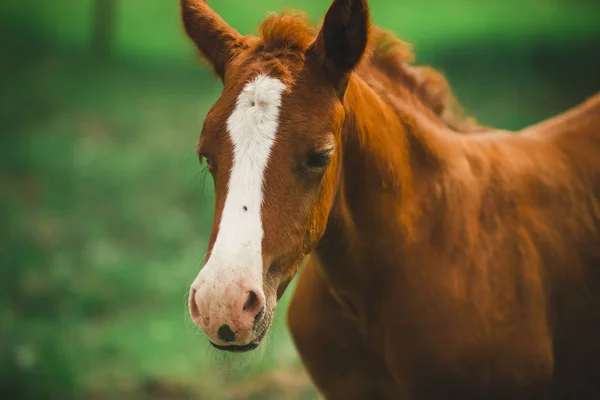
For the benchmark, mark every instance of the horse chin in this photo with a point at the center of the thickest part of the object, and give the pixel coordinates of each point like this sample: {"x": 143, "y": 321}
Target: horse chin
{"x": 253, "y": 344}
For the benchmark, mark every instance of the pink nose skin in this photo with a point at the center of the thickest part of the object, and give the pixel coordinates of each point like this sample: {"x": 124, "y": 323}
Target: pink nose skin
{"x": 229, "y": 316}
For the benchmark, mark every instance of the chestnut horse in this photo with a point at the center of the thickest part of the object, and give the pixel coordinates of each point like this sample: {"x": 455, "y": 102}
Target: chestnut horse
{"x": 441, "y": 264}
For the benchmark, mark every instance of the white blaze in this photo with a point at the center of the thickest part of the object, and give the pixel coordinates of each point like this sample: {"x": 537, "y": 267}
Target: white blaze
{"x": 237, "y": 251}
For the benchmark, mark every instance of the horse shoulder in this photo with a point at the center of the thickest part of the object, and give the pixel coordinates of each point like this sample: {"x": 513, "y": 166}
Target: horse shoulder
{"x": 339, "y": 360}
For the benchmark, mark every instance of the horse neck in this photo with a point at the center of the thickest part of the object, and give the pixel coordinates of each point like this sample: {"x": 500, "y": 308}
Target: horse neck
{"x": 389, "y": 146}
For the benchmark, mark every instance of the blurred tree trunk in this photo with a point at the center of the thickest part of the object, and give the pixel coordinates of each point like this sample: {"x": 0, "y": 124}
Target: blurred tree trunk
{"x": 104, "y": 27}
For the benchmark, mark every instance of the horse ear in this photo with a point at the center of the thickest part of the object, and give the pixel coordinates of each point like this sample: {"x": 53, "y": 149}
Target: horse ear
{"x": 342, "y": 40}
{"x": 216, "y": 40}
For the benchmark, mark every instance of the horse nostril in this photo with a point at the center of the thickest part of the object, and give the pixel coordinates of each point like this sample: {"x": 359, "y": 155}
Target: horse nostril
{"x": 226, "y": 334}
{"x": 255, "y": 306}
{"x": 194, "y": 310}
{"x": 259, "y": 316}
{"x": 251, "y": 302}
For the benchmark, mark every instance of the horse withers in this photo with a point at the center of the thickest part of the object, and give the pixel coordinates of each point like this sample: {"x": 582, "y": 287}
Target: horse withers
{"x": 444, "y": 259}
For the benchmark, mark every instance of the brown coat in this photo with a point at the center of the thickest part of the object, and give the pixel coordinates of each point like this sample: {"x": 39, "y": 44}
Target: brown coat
{"x": 447, "y": 260}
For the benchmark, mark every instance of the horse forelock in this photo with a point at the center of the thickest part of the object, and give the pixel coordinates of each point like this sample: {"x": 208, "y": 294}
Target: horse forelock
{"x": 290, "y": 31}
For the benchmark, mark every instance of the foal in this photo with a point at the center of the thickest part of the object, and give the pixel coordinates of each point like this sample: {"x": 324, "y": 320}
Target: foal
{"x": 442, "y": 264}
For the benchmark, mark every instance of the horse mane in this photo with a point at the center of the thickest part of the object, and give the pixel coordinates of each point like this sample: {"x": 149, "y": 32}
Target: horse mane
{"x": 292, "y": 32}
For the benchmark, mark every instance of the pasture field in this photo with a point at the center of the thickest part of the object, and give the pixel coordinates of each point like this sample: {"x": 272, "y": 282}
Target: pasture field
{"x": 105, "y": 211}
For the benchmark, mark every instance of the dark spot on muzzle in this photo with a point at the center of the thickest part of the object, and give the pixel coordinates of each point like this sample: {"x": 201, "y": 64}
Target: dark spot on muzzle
{"x": 226, "y": 334}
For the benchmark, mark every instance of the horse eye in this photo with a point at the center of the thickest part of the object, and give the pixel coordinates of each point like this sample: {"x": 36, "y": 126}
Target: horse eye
{"x": 318, "y": 159}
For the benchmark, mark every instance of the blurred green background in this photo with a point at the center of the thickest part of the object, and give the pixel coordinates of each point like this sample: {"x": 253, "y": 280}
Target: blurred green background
{"x": 105, "y": 211}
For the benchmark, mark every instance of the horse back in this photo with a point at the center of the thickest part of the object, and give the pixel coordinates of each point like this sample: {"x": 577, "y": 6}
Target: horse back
{"x": 516, "y": 225}
{"x": 573, "y": 271}
{"x": 583, "y": 119}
